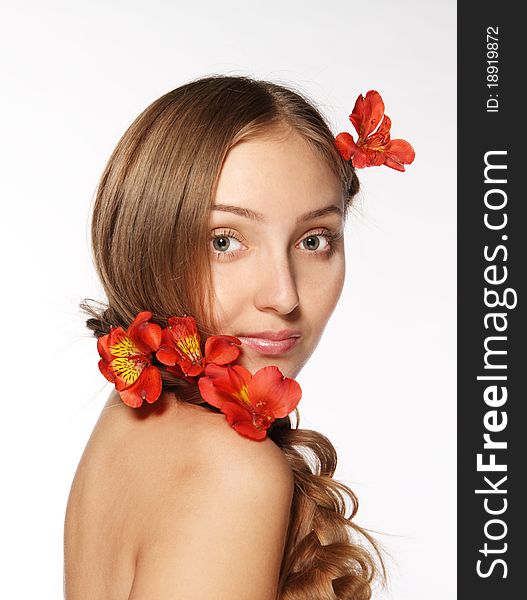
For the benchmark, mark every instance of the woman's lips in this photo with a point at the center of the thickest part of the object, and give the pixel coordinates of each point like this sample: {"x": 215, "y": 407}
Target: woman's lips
{"x": 267, "y": 346}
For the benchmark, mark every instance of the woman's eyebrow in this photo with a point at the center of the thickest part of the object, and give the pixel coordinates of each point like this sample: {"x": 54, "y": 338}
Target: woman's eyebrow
{"x": 256, "y": 216}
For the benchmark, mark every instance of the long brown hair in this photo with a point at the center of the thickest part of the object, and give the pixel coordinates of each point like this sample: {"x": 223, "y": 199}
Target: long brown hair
{"x": 150, "y": 248}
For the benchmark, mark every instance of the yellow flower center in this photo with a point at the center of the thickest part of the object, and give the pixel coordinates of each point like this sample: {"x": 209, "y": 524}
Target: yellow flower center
{"x": 374, "y": 148}
{"x": 128, "y": 369}
{"x": 123, "y": 348}
{"x": 129, "y": 361}
{"x": 189, "y": 345}
{"x": 243, "y": 395}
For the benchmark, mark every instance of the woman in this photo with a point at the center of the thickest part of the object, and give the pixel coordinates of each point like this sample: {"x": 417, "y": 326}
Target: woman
{"x": 225, "y": 200}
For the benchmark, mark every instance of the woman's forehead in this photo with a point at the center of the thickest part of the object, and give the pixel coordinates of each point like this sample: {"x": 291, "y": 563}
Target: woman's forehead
{"x": 268, "y": 171}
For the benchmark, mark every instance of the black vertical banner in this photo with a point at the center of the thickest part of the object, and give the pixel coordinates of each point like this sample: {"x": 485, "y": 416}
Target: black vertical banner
{"x": 492, "y": 257}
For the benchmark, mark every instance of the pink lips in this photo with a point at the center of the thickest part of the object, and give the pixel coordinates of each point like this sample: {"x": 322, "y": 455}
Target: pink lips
{"x": 271, "y": 342}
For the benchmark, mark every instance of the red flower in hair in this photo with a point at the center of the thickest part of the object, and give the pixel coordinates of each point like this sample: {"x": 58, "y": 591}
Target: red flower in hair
{"x": 373, "y": 147}
{"x": 126, "y": 360}
{"x": 250, "y": 402}
{"x": 180, "y": 348}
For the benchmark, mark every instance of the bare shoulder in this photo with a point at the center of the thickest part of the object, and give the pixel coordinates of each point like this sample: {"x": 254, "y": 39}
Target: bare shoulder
{"x": 233, "y": 458}
{"x": 220, "y": 531}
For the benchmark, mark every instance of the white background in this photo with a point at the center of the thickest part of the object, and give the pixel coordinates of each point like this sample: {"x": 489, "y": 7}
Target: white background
{"x": 381, "y": 384}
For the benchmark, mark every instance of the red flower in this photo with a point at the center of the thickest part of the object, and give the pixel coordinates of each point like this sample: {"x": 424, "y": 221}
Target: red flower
{"x": 250, "y": 402}
{"x": 180, "y": 348}
{"x": 126, "y": 360}
{"x": 373, "y": 147}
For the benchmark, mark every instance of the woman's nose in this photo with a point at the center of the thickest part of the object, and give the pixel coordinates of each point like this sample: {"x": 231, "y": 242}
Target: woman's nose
{"x": 276, "y": 288}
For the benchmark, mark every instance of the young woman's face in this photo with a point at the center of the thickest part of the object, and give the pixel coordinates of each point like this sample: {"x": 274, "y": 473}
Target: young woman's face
{"x": 277, "y": 250}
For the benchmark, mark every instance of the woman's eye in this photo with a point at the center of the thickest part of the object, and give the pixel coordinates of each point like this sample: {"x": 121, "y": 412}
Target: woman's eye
{"x": 315, "y": 242}
{"x": 222, "y": 243}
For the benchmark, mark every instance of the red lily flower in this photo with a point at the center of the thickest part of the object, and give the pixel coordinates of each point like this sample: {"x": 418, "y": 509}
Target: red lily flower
{"x": 373, "y": 147}
{"x": 180, "y": 348}
{"x": 250, "y": 402}
{"x": 126, "y": 360}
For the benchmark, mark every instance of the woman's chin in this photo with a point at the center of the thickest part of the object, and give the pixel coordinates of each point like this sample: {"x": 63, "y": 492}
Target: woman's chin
{"x": 288, "y": 365}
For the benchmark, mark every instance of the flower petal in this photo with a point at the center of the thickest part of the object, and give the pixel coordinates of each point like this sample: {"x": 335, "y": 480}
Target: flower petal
{"x": 185, "y": 338}
{"x": 400, "y": 151}
{"x": 211, "y": 394}
{"x": 230, "y": 378}
{"x": 167, "y": 355}
{"x": 393, "y": 164}
{"x": 147, "y": 336}
{"x": 360, "y": 160}
{"x": 102, "y": 347}
{"x": 246, "y": 429}
{"x": 242, "y": 421}
{"x": 132, "y": 396}
{"x": 346, "y": 145}
{"x": 148, "y": 387}
{"x": 190, "y": 368}
{"x": 106, "y": 371}
{"x": 126, "y": 370}
{"x": 270, "y": 391}
{"x": 382, "y": 136}
{"x": 367, "y": 114}
{"x": 222, "y": 349}
{"x": 224, "y": 384}
{"x": 374, "y": 157}
{"x": 176, "y": 370}
{"x": 120, "y": 344}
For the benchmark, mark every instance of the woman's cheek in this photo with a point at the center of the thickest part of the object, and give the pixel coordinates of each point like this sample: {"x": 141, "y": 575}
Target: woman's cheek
{"x": 323, "y": 283}
{"x": 230, "y": 291}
